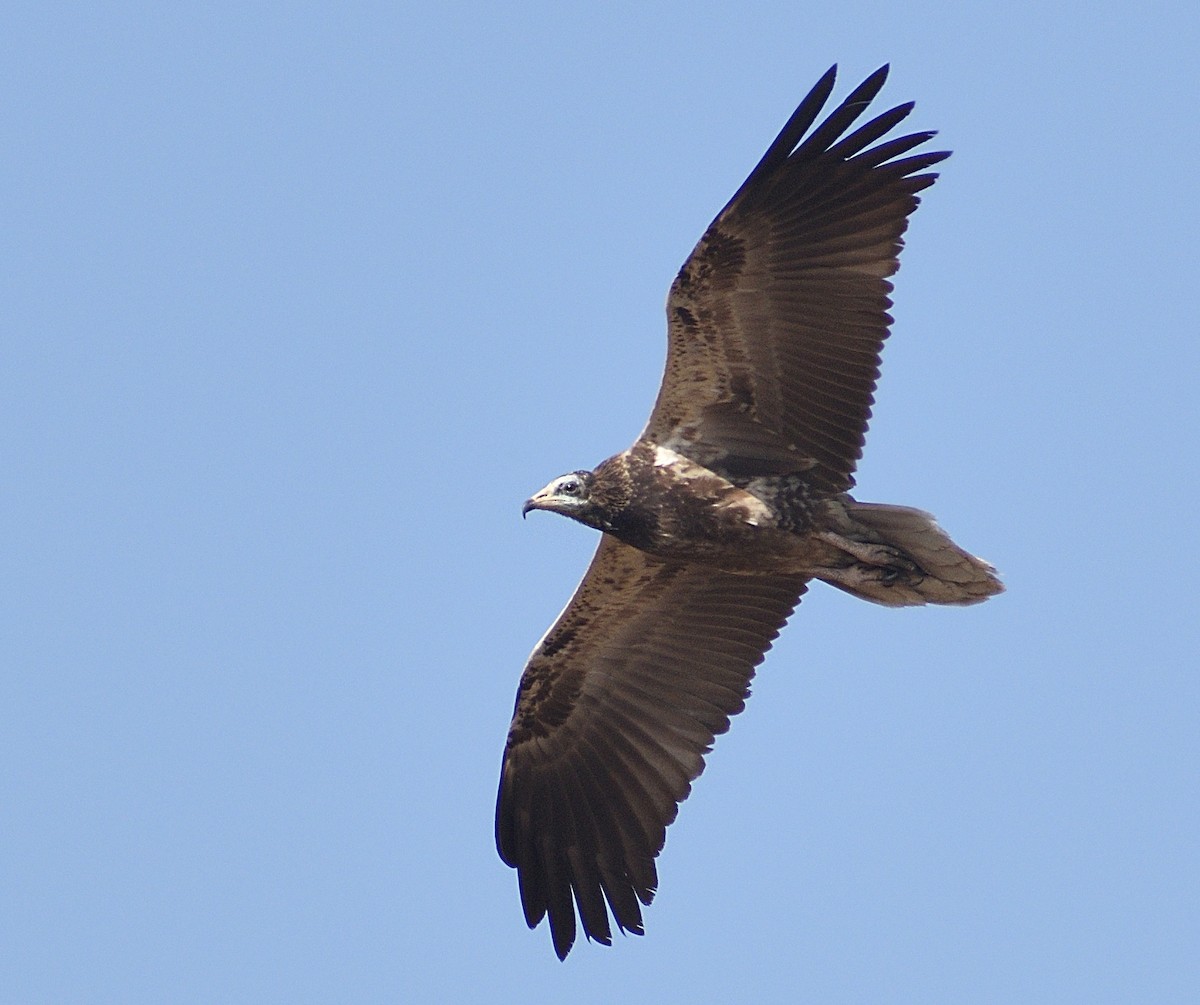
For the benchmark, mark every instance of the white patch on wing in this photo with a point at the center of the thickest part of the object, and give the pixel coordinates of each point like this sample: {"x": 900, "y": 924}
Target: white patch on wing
{"x": 681, "y": 467}
{"x": 665, "y": 458}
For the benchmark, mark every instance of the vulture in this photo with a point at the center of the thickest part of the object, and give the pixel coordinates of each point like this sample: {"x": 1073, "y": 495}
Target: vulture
{"x": 732, "y": 499}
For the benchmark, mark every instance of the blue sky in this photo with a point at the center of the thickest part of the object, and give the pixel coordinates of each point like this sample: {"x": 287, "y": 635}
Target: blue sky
{"x": 301, "y": 302}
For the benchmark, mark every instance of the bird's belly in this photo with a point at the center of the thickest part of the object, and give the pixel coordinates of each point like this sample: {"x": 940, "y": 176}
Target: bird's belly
{"x": 749, "y": 550}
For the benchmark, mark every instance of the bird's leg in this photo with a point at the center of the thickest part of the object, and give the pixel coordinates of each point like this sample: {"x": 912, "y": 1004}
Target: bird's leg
{"x": 885, "y": 564}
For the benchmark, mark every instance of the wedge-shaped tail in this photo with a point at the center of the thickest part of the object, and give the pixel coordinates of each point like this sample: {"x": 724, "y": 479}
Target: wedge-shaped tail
{"x": 929, "y": 567}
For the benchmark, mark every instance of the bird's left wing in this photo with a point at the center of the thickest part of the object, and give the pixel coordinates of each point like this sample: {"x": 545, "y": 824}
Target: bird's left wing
{"x": 616, "y": 709}
{"x": 777, "y": 318}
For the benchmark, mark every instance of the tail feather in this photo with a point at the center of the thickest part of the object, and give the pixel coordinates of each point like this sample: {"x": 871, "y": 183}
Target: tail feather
{"x": 944, "y": 573}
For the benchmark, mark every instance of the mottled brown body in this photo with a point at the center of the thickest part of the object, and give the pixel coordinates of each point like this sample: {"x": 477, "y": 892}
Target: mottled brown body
{"x": 667, "y": 505}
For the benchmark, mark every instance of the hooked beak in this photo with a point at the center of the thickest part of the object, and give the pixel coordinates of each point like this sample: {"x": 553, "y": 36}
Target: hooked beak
{"x": 542, "y": 499}
{"x": 534, "y": 502}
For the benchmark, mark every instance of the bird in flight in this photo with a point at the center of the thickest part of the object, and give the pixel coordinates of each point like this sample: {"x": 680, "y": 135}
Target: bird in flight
{"x": 734, "y": 496}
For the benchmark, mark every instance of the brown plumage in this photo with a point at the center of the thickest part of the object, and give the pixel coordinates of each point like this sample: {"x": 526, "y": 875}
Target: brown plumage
{"x": 731, "y": 500}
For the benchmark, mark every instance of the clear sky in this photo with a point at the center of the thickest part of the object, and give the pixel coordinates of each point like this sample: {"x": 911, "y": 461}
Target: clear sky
{"x": 300, "y": 302}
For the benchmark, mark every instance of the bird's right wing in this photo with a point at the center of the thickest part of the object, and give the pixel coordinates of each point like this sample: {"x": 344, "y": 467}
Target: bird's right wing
{"x": 616, "y": 709}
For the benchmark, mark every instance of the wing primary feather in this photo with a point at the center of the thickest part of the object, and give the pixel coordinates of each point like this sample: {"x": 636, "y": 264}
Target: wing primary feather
{"x": 908, "y": 166}
{"x": 531, "y": 871}
{"x": 804, "y": 116}
{"x": 560, "y": 904}
{"x": 623, "y": 899}
{"x": 611, "y": 834}
{"x": 618, "y": 815}
{"x": 638, "y": 874}
{"x": 869, "y": 132}
{"x": 892, "y": 148}
{"x": 579, "y": 853}
{"x": 589, "y": 896}
{"x": 840, "y": 118}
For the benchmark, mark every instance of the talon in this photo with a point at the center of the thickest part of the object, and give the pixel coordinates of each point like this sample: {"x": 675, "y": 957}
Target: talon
{"x": 907, "y": 572}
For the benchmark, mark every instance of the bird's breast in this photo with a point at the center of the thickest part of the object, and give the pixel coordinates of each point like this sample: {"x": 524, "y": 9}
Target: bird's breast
{"x": 682, "y": 511}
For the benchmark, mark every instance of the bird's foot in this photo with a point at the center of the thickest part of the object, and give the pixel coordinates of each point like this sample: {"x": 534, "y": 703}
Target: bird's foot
{"x": 875, "y": 563}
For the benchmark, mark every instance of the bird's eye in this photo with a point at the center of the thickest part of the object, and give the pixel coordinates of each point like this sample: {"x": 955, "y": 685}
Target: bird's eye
{"x": 570, "y": 488}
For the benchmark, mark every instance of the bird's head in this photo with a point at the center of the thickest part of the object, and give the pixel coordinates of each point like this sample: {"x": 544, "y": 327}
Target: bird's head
{"x": 568, "y": 494}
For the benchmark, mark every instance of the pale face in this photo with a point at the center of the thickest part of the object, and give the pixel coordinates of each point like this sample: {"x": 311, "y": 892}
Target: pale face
{"x": 567, "y": 494}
